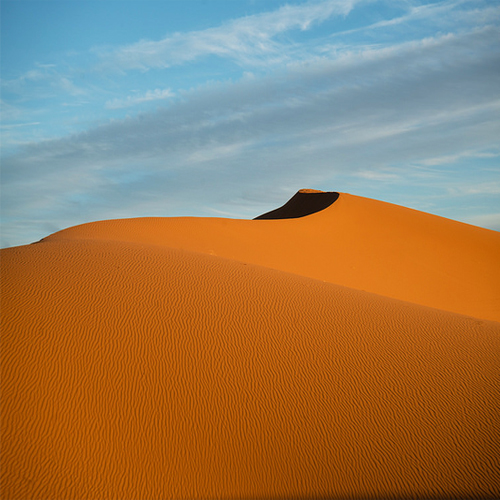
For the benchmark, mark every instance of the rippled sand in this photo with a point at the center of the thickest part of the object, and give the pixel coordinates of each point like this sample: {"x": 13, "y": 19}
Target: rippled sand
{"x": 350, "y": 353}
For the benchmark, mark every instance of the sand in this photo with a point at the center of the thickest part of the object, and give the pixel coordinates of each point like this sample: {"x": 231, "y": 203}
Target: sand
{"x": 181, "y": 358}
{"x": 357, "y": 242}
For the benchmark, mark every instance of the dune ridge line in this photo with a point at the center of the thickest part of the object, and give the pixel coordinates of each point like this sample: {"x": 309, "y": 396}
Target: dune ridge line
{"x": 355, "y": 242}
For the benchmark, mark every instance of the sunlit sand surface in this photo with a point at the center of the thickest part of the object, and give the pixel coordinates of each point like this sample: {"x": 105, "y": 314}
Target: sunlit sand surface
{"x": 350, "y": 353}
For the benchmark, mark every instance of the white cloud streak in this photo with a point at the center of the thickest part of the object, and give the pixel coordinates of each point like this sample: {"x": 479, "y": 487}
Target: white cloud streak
{"x": 444, "y": 13}
{"x": 133, "y": 100}
{"x": 477, "y": 189}
{"x": 42, "y": 76}
{"x": 247, "y": 40}
{"x": 448, "y": 159}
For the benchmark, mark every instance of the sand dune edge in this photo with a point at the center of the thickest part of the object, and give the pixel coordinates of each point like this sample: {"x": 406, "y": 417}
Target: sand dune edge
{"x": 355, "y": 242}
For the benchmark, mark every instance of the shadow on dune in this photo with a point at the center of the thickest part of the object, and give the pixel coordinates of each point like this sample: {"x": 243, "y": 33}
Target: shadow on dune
{"x": 304, "y": 202}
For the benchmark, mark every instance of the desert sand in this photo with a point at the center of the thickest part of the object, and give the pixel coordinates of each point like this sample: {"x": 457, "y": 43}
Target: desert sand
{"x": 352, "y": 352}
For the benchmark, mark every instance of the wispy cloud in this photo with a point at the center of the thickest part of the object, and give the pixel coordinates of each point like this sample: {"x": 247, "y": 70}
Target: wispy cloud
{"x": 492, "y": 187}
{"x": 9, "y": 112}
{"x": 444, "y": 13}
{"x": 133, "y": 100}
{"x": 447, "y": 159}
{"x": 18, "y": 125}
{"x": 247, "y": 40}
{"x": 374, "y": 175}
{"x": 339, "y": 107}
{"x": 43, "y": 80}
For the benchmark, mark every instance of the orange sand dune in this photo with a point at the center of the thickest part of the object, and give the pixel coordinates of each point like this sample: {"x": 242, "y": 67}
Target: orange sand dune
{"x": 356, "y": 242}
{"x": 146, "y": 370}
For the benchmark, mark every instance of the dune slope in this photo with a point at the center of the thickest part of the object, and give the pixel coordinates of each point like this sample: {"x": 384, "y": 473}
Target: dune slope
{"x": 136, "y": 371}
{"x": 355, "y": 242}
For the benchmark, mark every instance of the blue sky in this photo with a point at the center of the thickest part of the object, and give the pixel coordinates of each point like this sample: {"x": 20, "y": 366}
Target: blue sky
{"x": 114, "y": 109}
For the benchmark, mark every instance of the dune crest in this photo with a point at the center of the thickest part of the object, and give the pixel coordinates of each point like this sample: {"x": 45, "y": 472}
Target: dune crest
{"x": 355, "y": 242}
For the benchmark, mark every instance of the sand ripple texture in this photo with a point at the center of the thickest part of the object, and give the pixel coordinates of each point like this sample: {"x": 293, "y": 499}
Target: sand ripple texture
{"x": 135, "y": 371}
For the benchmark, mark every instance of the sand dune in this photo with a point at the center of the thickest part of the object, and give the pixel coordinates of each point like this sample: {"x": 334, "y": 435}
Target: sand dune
{"x": 356, "y": 242}
{"x": 149, "y": 359}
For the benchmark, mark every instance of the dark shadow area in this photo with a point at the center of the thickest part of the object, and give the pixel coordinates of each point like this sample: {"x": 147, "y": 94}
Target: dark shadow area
{"x": 304, "y": 202}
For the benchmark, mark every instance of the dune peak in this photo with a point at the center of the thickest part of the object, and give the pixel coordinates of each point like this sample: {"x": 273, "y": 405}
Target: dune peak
{"x": 311, "y": 191}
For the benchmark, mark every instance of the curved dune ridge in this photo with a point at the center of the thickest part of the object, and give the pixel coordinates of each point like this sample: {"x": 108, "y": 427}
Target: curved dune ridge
{"x": 180, "y": 358}
{"x": 355, "y": 242}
